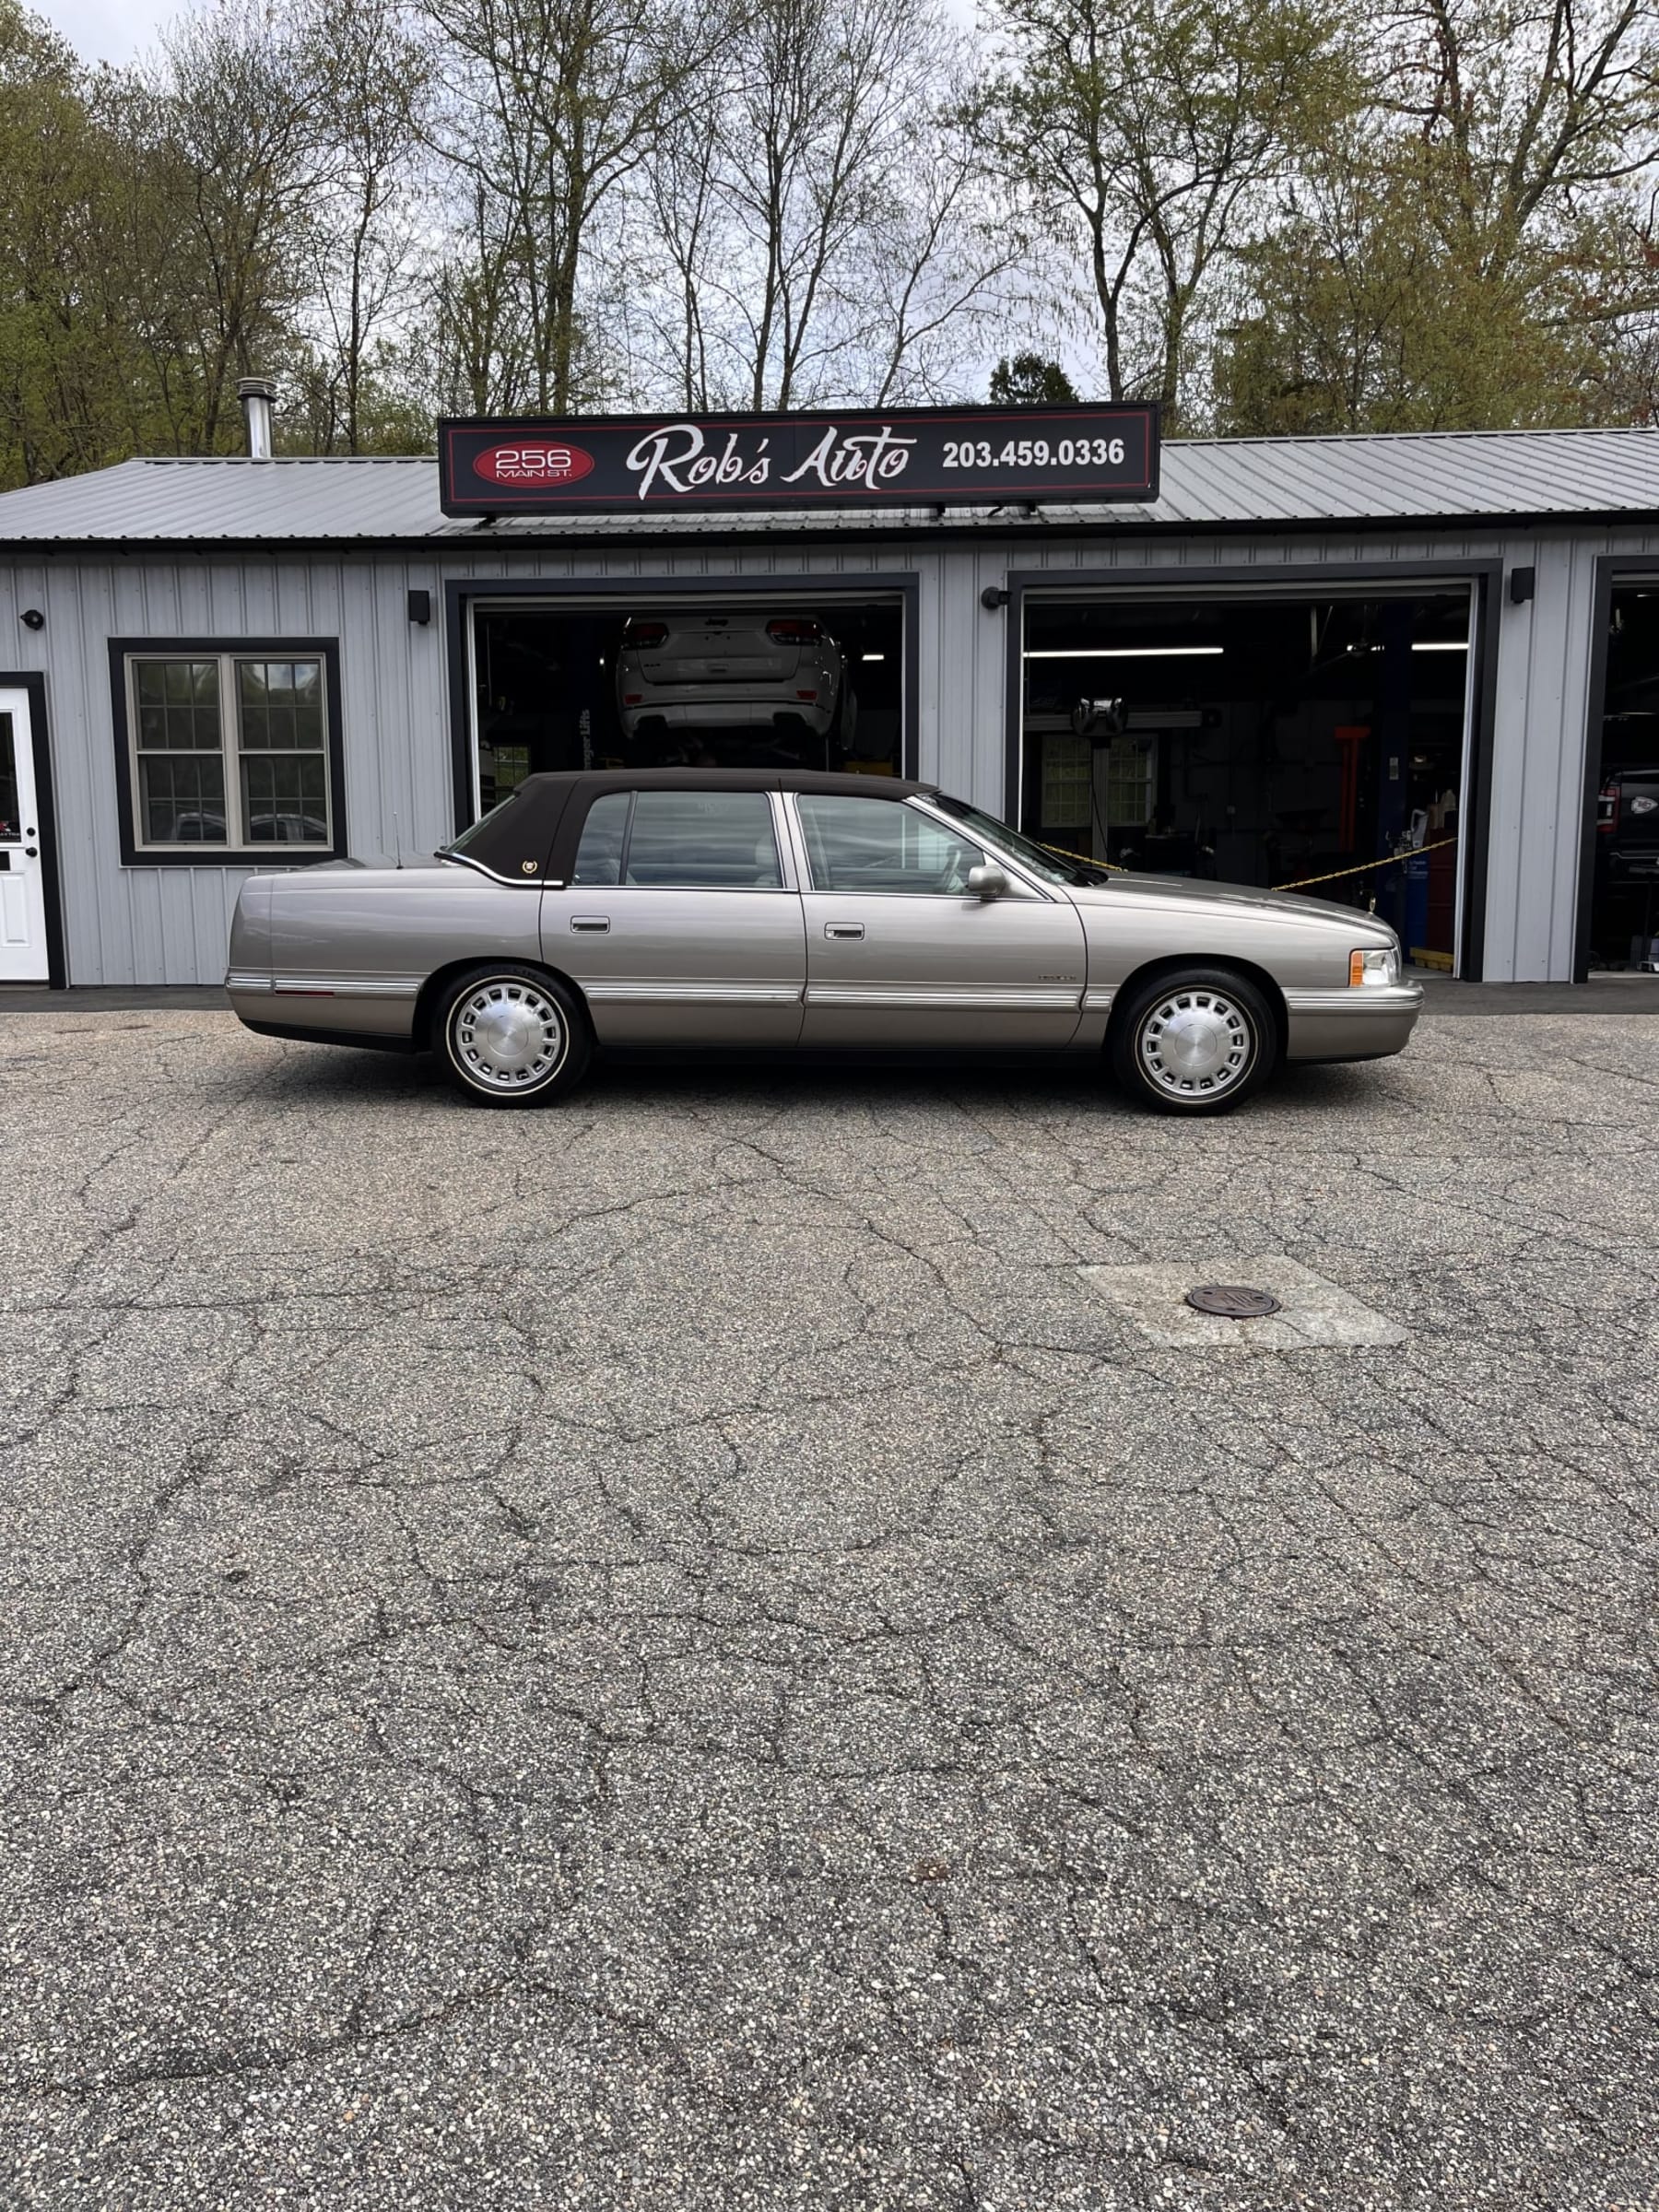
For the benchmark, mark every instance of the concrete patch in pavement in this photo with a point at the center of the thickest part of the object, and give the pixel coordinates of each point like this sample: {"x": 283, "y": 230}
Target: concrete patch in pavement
{"x": 1315, "y": 1314}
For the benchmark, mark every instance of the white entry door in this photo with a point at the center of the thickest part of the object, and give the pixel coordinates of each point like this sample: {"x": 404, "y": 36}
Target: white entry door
{"x": 22, "y": 884}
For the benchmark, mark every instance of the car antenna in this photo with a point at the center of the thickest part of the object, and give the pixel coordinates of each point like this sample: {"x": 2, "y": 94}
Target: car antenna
{"x": 396, "y": 840}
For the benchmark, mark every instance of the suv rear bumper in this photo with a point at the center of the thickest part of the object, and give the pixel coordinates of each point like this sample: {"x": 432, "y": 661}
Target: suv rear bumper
{"x": 749, "y": 711}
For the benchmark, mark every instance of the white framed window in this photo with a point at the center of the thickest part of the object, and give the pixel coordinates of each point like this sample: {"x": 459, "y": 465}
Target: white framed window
{"x": 1067, "y": 767}
{"x": 1130, "y": 766}
{"x": 229, "y": 748}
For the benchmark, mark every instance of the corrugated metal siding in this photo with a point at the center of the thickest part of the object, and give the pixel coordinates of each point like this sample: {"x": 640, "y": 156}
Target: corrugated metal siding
{"x": 149, "y": 924}
{"x": 170, "y": 925}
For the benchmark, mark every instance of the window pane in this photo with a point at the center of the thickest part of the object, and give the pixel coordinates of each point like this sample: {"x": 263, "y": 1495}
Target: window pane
{"x": 703, "y": 841}
{"x": 178, "y": 706}
{"x": 599, "y": 855}
{"x": 182, "y": 800}
{"x": 1131, "y": 783}
{"x": 281, "y": 705}
{"x": 1067, "y": 775}
{"x": 285, "y": 799}
{"x": 880, "y": 845}
{"x": 8, "y": 779}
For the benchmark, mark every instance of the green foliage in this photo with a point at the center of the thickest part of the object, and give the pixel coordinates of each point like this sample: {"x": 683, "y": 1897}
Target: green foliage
{"x": 1029, "y": 381}
{"x": 1274, "y": 216}
{"x": 161, "y": 237}
{"x": 1364, "y": 312}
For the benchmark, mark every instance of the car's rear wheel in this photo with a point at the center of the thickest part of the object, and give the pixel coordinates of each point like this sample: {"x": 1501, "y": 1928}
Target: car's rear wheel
{"x": 512, "y": 1036}
{"x": 1199, "y": 1040}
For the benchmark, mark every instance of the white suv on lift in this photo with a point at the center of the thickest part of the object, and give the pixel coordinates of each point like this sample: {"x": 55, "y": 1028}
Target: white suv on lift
{"x": 685, "y": 671}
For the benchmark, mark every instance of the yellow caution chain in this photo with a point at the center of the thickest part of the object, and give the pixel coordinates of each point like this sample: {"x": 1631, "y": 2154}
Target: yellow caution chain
{"x": 1065, "y": 852}
{"x": 1365, "y": 868}
{"x": 1395, "y": 860}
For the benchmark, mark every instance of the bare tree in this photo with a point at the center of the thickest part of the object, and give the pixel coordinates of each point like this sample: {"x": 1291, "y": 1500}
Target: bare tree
{"x": 552, "y": 105}
{"x": 235, "y": 159}
{"x": 1151, "y": 127}
{"x": 819, "y": 232}
{"x": 363, "y": 222}
{"x": 1539, "y": 108}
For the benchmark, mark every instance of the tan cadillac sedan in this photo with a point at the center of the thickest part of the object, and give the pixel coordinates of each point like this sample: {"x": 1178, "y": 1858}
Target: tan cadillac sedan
{"x": 692, "y": 908}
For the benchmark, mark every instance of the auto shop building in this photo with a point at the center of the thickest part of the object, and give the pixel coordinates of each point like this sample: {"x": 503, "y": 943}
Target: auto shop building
{"x": 1329, "y": 653}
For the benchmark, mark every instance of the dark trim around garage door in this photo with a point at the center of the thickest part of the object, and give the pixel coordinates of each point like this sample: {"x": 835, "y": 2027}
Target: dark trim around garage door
{"x": 1611, "y": 569}
{"x": 52, "y": 881}
{"x": 1484, "y": 577}
{"x": 905, "y": 586}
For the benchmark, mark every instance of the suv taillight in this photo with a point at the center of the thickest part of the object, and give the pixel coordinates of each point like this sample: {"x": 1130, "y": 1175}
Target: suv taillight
{"x": 789, "y": 630}
{"x": 1607, "y": 809}
{"x": 645, "y": 633}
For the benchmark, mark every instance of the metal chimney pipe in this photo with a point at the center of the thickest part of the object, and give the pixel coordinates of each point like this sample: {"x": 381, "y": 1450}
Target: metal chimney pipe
{"x": 257, "y": 394}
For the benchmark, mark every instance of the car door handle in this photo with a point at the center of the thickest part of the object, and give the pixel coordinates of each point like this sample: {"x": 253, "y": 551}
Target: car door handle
{"x": 599, "y": 923}
{"x": 843, "y": 929}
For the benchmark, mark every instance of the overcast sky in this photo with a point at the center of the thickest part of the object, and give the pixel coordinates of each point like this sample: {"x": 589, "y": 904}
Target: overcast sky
{"x": 107, "y": 30}
{"x": 114, "y": 30}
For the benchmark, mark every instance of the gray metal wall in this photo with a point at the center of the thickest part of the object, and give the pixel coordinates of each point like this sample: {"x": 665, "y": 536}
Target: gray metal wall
{"x": 150, "y": 924}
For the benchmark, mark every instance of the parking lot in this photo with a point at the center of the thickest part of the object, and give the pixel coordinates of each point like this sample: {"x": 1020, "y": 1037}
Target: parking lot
{"x": 687, "y": 1652}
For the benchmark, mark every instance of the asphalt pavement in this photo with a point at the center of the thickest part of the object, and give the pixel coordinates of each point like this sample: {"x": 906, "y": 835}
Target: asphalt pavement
{"x": 707, "y": 1648}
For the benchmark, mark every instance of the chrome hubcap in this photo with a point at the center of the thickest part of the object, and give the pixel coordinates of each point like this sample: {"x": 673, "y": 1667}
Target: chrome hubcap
{"x": 1195, "y": 1044}
{"x": 507, "y": 1034}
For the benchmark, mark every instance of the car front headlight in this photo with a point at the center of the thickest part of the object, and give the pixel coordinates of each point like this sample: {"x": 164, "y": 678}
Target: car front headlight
{"x": 1374, "y": 966}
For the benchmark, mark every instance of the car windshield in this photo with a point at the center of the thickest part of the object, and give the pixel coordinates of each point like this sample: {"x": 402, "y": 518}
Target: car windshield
{"x": 1053, "y": 867}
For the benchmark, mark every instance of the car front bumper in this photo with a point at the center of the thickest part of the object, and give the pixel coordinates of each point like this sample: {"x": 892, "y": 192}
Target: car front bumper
{"x": 1364, "y": 1024}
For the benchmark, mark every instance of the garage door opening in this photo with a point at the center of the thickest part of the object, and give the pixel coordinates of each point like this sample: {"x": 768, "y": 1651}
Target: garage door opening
{"x": 1263, "y": 741}
{"x": 1624, "y": 900}
{"x": 748, "y": 681}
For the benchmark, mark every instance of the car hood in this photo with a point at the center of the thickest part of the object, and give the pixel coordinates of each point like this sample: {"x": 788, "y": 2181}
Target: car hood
{"x": 1187, "y": 890}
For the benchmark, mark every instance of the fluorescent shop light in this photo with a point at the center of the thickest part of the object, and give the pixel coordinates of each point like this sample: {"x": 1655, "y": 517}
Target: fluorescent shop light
{"x": 875, "y": 656}
{"x": 1117, "y": 653}
{"x": 1440, "y": 645}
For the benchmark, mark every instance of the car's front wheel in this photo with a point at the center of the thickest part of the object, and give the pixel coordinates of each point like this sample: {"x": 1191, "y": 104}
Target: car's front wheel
{"x": 1195, "y": 1041}
{"x": 512, "y": 1036}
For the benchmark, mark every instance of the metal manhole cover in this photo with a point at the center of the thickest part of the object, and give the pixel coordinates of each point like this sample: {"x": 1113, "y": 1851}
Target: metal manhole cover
{"x": 1233, "y": 1301}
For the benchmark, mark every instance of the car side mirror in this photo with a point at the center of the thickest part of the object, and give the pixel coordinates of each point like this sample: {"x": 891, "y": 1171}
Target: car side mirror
{"x": 987, "y": 882}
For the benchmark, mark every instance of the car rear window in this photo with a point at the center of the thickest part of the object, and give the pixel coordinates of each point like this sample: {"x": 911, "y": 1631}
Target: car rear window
{"x": 599, "y": 855}
{"x": 712, "y": 840}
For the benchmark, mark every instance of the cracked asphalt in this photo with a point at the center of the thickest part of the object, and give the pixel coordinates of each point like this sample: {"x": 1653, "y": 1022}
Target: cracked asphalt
{"x": 672, "y": 1653}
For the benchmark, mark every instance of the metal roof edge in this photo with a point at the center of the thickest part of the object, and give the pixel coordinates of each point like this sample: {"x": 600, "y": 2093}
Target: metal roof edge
{"x": 438, "y": 546}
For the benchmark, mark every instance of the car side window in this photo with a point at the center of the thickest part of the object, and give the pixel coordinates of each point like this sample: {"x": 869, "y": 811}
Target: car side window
{"x": 718, "y": 840}
{"x": 599, "y": 855}
{"x": 880, "y": 845}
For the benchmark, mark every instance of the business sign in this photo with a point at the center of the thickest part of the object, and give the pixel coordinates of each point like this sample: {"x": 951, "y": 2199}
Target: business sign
{"x": 849, "y": 457}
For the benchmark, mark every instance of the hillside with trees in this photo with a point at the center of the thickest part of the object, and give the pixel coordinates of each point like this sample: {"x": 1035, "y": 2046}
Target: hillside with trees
{"x": 1272, "y": 215}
